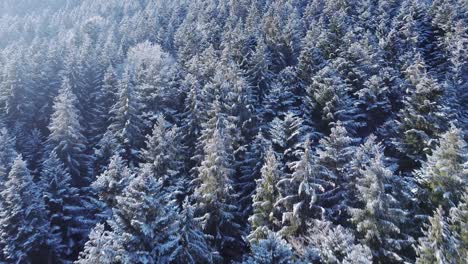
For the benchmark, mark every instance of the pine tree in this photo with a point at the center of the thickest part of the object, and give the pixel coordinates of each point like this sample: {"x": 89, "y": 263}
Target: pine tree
{"x": 378, "y": 221}
{"x": 162, "y": 153}
{"x": 98, "y": 249}
{"x": 437, "y": 245}
{"x": 458, "y": 225}
{"x": 111, "y": 183}
{"x": 444, "y": 174}
{"x": 272, "y": 249}
{"x": 23, "y": 224}
{"x": 334, "y": 155}
{"x": 264, "y": 199}
{"x": 250, "y": 171}
{"x": 298, "y": 195}
{"x": 334, "y": 244}
{"x": 126, "y": 125}
{"x": 214, "y": 196}
{"x": 65, "y": 134}
{"x": 259, "y": 70}
{"x": 328, "y": 102}
{"x": 286, "y": 136}
{"x": 142, "y": 225}
{"x": 191, "y": 244}
{"x": 7, "y": 151}
{"x": 421, "y": 118}
{"x": 105, "y": 97}
{"x": 60, "y": 203}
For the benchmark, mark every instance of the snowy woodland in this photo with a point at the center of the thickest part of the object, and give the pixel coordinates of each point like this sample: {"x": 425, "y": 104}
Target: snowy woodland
{"x": 233, "y": 131}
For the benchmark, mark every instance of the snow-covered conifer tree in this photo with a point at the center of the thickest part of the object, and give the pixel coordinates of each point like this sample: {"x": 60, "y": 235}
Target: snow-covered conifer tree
{"x": 23, "y": 224}
{"x": 264, "y": 199}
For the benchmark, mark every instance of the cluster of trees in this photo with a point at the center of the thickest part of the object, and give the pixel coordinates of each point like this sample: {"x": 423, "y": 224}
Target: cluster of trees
{"x": 211, "y": 131}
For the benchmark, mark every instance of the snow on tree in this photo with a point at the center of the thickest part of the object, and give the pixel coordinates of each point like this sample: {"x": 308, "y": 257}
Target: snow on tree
{"x": 259, "y": 71}
{"x": 421, "y": 119}
{"x": 7, "y": 151}
{"x": 298, "y": 195}
{"x": 99, "y": 248}
{"x": 191, "y": 244}
{"x": 105, "y": 96}
{"x": 444, "y": 175}
{"x": 155, "y": 74}
{"x": 23, "y": 224}
{"x": 284, "y": 96}
{"x": 65, "y": 136}
{"x": 334, "y": 244}
{"x": 264, "y": 199}
{"x": 437, "y": 245}
{"x": 458, "y": 225}
{"x": 142, "y": 225}
{"x": 272, "y": 249}
{"x": 126, "y": 125}
{"x": 111, "y": 183}
{"x": 214, "y": 196}
{"x": 162, "y": 154}
{"x": 250, "y": 171}
{"x": 328, "y": 102}
{"x": 286, "y": 136}
{"x": 378, "y": 221}
{"x": 60, "y": 204}
{"x": 334, "y": 155}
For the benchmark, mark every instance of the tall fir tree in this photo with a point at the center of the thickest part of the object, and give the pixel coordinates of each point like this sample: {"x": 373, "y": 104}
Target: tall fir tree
{"x": 378, "y": 221}
{"x": 142, "y": 225}
{"x": 264, "y": 199}
{"x": 191, "y": 244}
{"x": 65, "y": 136}
{"x": 214, "y": 196}
{"x": 112, "y": 182}
{"x": 162, "y": 154}
{"x": 23, "y": 224}
{"x": 125, "y": 123}
{"x": 438, "y": 244}
{"x": 458, "y": 220}
{"x": 272, "y": 249}
{"x": 298, "y": 195}
{"x": 444, "y": 175}
{"x": 61, "y": 202}
{"x": 422, "y": 118}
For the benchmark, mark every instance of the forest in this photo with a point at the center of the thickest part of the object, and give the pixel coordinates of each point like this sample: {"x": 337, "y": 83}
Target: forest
{"x": 233, "y": 131}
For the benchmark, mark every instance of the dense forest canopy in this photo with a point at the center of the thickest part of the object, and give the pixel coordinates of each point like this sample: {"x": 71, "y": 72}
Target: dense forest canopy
{"x": 233, "y": 131}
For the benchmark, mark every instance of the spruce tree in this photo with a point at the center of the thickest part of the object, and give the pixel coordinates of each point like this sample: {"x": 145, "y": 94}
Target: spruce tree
{"x": 99, "y": 248}
{"x": 298, "y": 195}
{"x": 126, "y": 125}
{"x": 328, "y": 102}
{"x": 60, "y": 204}
{"x": 459, "y": 226}
{"x": 421, "y": 118}
{"x": 23, "y": 224}
{"x": 162, "y": 153}
{"x": 214, "y": 196}
{"x": 191, "y": 244}
{"x": 250, "y": 171}
{"x": 443, "y": 176}
{"x": 7, "y": 151}
{"x": 272, "y": 249}
{"x": 111, "y": 183}
{"x": 142, "y": 225}
{"x": 438, "y": 244}
{"x": 334, "y": 155}
{"x": 65, "y": 136}
{"x": 334, "y": 244}
{"x": 378, "y": 222}
{"x": 264, "y": 199}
